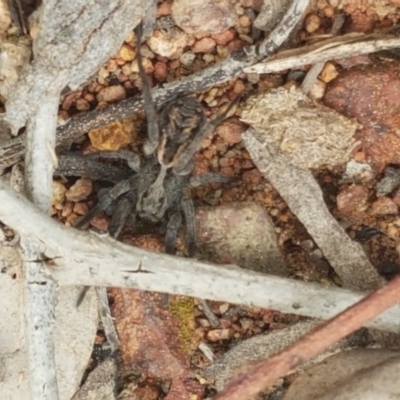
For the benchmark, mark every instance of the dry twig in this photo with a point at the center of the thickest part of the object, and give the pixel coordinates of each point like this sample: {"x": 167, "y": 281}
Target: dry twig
{"x": 266, "y": 372}
{"x": 349, "y": 45}
{"x": 82, "y": 258}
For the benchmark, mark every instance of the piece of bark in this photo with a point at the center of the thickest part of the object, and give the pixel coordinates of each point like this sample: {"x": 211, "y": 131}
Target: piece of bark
{"x": 304, "y": 197}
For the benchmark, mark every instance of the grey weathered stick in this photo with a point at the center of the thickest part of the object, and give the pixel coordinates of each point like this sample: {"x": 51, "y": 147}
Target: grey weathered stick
{"x": 304, "y": 197}
{"x": 330, "y": 49}
{"x": 40, "y": 291}
{"x": 69, "y": 47}
{"x": 81, "y": 258}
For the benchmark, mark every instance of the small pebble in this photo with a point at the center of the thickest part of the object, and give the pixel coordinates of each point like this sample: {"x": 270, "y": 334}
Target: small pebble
{"x": 208, "y": 58}
{"x": 205, "y": 45}
{"x": 230, "y": 131}
{"x": 352, "y": 199}
{"x": 329, "y": 73}
{"x": 67, "y": 209}
{"x": 160, "y": 71}
{"x": 100, "y": 222}
{"x": 252, "y": 177}
{"x": 223, "y": 38}
{"x": 111, "y": 94}
{"x": 216, "y": 335}
{"x": 187, "y": 59}
{"x": 384, "y": 206}
{"x": 80, "y": 208}
{"x": 317, "y": 90}
{"x": 80, "y": 190}
{"x": 111, "y": 65}
{"x": 313, "y": 22}
{"x": 58, "y": 193}
{"x": 126, "y": 53}
{"x": 223, "y": 308}
{"x": 82, "y": 105}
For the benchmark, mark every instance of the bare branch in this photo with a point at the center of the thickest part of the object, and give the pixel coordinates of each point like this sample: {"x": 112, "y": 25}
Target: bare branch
{"x": 69, "y": 47}
{"x": 266, "y": 372}
{"x": 349, "y": 45}
{"x": 40, "y": 292}
{"x": 81, "y": 258}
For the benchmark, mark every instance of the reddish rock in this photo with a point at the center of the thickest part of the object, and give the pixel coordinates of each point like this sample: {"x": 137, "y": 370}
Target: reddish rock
{"x": 384, "y": 206}
{"x": 160, "y": 71}
{"x": 252, "y": 177}
{"x": 80, "y": 190}
{"x": 223, "y": 38}
{"x": 205, "y": 45}
{"x": 164, "y": 8}
{"x": 70, "y": 99}
{"x": 100, "y": 222}
{"x": 231, "y": 131}
{"x": 203, "y": 17}
{"x": 235, "y": 44}
{"x": 362, "y": 22}
{"x": 254, "y": 4}
{"x": 352, "y": 200}
{"x": 371, "y": 95}
{"x": 80, "y": 208}
{"x": 168, "y": 45}
{"x": 396, "y": 197}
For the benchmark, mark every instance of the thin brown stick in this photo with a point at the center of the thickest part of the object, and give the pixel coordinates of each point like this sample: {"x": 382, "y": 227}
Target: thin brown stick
{"x": 264, "y": 373}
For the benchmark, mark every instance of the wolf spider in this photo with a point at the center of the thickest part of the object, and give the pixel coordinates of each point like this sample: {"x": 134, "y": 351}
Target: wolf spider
{"x": 156, "y": 188}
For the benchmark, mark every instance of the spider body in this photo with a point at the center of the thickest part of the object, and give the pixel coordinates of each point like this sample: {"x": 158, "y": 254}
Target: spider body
{"x": 154, "y": 193}
{"x": 180, "y": 121}
{"x": 157, "y": 186}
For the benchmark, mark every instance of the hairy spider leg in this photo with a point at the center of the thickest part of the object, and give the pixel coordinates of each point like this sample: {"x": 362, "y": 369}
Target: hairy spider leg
{"x": 190, "y": 220}
{"x": 78, "y": 165}
{"x": 114, "y": 193}
{"x": 152, "y": 121}
{"x": 210, "y": 177}
{"x": 184, "y": 163}
{"x": 173, "y": 225}
{"x": 132, "y": 159}
{"x": 123, "y": 210}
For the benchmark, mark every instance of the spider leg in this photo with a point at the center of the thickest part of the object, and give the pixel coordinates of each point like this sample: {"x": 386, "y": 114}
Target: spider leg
{"x": 152, "y": 121}
{"x": 78, "y": 165}
{"x": 121, "y": 213}
{"x": 181, "y": 164}
{"x": 131, "y": 158}
{"x": 174, "y": 223}
{"x": 196, "y": 181}
{"x": 188, "y": 210}
{"x": 111, "y": 195}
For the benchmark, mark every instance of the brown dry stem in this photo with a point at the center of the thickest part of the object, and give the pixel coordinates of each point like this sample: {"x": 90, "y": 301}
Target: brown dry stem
{"x": 264, "y": 373}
